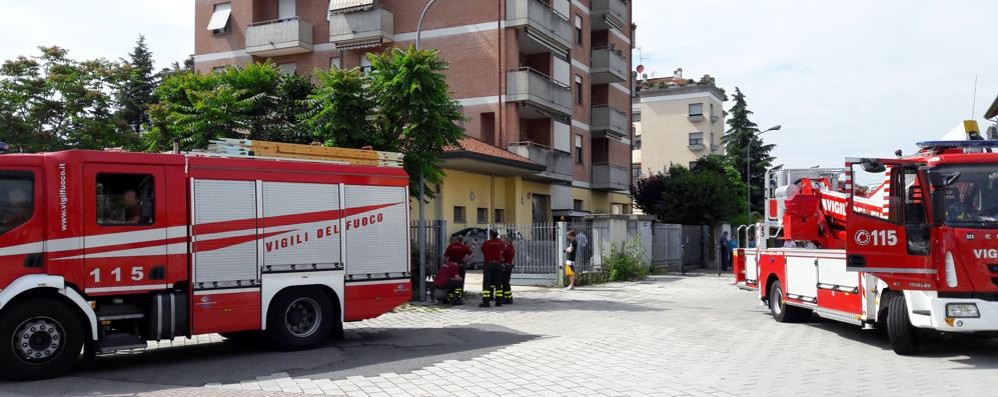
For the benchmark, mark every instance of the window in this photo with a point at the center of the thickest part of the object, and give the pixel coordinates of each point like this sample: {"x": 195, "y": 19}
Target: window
{"x": 483, "y": 216}
{"x": 500, "y": 216}
{"x": 578, "y": 29}
{"x": 712, "y": 110}
{"x": 617, "y": 209}
{"x": 288, "y": 68}
{"x": 365, "y": 64}
{"x": 218, "y": 69}
{"x": 636, "y": 117}
{"x": 125, "y": 199}
{"x": 696, "y": 109}
{"x": 334, "y": 63}
{"x": 636, "y": 144}
{"x": 460, "y": 215}
{"x": 578, "y": 89}
{"x": 578, "y": 149}
{"x": 636, "y": 172}
{"x": 219, "y": 23}
{"x": 577, "y": 205}
{"x": 488, "y": 127}
{"x": 696, "y": 138}
{"x": 17, "y": 199}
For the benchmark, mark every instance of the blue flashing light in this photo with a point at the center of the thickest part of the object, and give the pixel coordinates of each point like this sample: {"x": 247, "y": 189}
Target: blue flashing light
{"x": 957, "y": 144}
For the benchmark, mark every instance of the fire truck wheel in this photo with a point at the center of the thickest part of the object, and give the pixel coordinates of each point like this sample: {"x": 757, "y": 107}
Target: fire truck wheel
{"x": 300, "y": 318}
{"x": 42, "y": 338}
{"x": 903, "y": 336}
{"x": 781, "y": 311}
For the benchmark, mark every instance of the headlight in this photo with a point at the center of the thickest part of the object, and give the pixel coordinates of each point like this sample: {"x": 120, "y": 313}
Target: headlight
{"x": 962, "y": 310}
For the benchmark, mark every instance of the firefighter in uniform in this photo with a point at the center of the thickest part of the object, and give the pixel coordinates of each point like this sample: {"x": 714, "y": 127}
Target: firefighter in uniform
{"x": 508, "y": 253}
{"x": 492, "y": 271}
{"x": 458, "y": 253}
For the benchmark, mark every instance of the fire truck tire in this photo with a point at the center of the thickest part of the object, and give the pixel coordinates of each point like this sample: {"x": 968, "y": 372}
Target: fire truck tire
{"x": 40, "y": 338}
{"x": 300, "y": 318}
{"x": 781, "y": 311}
{"x": 903, "y": 336}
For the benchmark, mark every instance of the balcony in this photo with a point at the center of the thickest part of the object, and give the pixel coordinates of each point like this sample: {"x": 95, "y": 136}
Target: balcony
{"x": 609, "y": 176}
{"x": 546, "y": 30}
{"x": 608, "y": 14}
{"x": 537, "y": 89}
{"x": 609, "y": 122}
{"x": 368, "y": 28}
{"x": 558, "y": 165}
{"x": 609, "y": 66}
{"x": 279, "y": 37}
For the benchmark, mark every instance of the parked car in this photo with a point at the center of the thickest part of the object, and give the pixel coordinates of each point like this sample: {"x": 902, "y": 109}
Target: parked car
{"x": 473, "y": 237}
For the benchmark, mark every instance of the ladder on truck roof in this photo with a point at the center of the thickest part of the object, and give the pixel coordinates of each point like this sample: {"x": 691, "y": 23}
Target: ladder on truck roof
{"x": 284, "y": 151}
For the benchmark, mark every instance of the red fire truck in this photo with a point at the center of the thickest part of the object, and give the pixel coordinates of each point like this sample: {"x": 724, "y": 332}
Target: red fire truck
{"x": 103, "y": 251}
{"x": 906, "y": 243}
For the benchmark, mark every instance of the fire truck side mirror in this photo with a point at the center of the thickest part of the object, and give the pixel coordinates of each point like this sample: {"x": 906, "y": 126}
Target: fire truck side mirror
{"x": 874, "y": 166}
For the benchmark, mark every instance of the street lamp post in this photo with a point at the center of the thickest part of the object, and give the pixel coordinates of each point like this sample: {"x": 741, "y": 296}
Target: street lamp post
{"x": 748, "y": 173}
{"x": 421, "y": 228}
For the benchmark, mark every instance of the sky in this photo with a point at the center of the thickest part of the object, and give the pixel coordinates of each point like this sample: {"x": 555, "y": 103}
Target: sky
{"x": 844, "y": 78}
{"x": 847, "y": 78}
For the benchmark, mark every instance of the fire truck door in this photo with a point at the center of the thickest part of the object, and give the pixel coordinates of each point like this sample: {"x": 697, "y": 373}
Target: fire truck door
{"x": 125, "y": 243}
{"x": 21, "y": 220}
{"x": 878, "y": 239}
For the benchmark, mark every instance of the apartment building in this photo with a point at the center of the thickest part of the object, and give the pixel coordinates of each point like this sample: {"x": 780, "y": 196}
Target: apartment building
{"x": 544, "y": 84}
{"x": 676, "y": 121}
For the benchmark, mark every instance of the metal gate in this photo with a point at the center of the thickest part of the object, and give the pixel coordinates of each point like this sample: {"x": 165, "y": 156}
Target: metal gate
{"x": 694, "y": 245}
{"x": 667, "y": 244}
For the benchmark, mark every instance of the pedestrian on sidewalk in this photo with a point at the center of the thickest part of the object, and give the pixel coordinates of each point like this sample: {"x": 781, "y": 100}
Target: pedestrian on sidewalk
{"x": 492, "y": 269}
{"x": 570, "y": 259}
{"x": 458, "y": 253}
{"x": 508, "y": 253}
{"x": 725, "y": 251}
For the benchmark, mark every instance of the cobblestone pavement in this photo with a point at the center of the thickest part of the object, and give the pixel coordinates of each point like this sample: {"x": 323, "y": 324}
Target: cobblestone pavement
{"x": 665, "y": 336}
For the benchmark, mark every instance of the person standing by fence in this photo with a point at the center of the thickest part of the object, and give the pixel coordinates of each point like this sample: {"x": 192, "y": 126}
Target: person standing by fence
{"x": 492, "y": 270}
{"x": 458, "y": 253}
{"x": 508, "y": 253}
{"x": 570, "y": 259}
{"x": 724, "y": 252}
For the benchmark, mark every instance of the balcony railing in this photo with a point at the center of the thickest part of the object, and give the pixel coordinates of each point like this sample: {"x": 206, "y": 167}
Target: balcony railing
{"x": 609, "y": 176}
{"x": 543, "y": 25}
{"x": 529, "y": 85}
{"x": 279, "y": 37}
{"x": 368, "y": 28}
{"x": 558, "y": 165}
{"x": 609, "y": 14}
{"x": 608, "y": 120}
{"x": 609, "y": 66}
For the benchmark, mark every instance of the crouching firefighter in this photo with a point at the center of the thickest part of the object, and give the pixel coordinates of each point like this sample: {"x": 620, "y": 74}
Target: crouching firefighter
{"x": 446, "y": 284}
{"x": 458, "y": 253}
{"x": 492, "y": 271}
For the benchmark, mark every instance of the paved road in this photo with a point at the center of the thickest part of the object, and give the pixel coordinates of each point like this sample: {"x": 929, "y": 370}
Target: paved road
{"x": 665, "y": 336}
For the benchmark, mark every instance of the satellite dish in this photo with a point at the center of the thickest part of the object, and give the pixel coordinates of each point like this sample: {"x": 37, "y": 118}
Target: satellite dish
{"x": 641, "y": 68}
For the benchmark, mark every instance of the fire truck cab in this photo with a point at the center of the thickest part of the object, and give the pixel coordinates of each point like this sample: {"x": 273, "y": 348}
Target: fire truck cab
{"x": 908, "y": 243}
{"x": 104, "y": 251}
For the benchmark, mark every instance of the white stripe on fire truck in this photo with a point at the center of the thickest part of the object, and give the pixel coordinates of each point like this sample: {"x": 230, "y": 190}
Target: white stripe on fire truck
{"x": 97, "y": 290}
{"x": 374, "y": 282}
{"x": 30, "y": 248}
{"x": 226, "y": 291}
{"x": 893, "y": 270}
{"x": 172, "y": 249}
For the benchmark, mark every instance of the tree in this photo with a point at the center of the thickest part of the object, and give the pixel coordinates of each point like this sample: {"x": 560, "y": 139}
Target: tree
{"x": 137, "y": 89}
{"x": 741, "y": 135}
{"x": 707, "y": 194}
{"x": 338, "y": 108}
{"x": 50, "y": 102}
{"x": 415, "y": 114}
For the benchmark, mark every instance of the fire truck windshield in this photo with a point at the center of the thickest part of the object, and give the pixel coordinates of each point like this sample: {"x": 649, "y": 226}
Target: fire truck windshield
{"x": 967, "y": 195}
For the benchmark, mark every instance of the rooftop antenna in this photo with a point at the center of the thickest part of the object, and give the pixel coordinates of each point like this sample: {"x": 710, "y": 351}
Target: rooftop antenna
{"x": 973, "y": 104}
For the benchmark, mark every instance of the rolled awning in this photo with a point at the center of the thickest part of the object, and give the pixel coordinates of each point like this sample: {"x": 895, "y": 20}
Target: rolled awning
{"x": 345, "y": 6}
{"x": 355, "y": 44}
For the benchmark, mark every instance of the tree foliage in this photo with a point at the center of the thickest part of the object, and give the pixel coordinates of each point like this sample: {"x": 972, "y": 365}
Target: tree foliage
{"x": 136, "y": 90}
{"x": 710, "y": 193}
{"x": 337, "y": 111}
{"x": 742, "y": 134}
{"x": 415, "y": 113}
{"x": 50, "y": 102}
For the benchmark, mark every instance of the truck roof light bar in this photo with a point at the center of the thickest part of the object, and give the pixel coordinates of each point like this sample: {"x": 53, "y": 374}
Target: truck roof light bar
{"x": 957, "y": 144}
